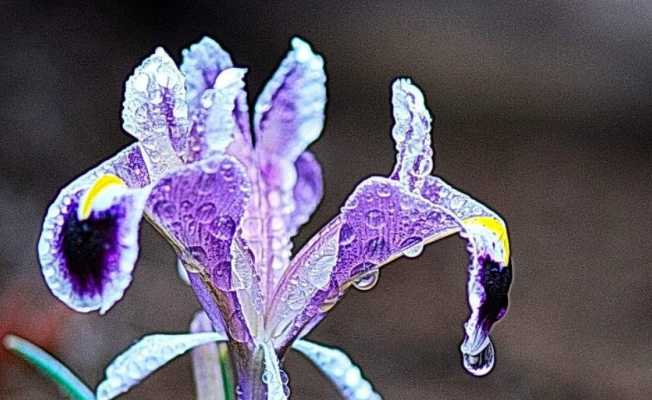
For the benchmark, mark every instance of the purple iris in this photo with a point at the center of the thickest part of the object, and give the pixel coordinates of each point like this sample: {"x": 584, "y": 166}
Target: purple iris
{"x": 230, "y": 209}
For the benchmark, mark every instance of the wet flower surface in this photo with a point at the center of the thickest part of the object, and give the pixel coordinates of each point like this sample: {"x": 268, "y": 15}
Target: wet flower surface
{"x": 229, "y": 193}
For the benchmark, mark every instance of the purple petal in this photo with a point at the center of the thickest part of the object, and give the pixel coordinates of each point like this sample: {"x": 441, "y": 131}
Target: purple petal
{"x": 155, "y": 101}
{"x": 490, "y": 272}
{"x": 379, "y": 222}
{"x": 307, "y": 192}
{"x": 199, "y": 208}
{"x": 215, "y": 126}
{"x": 289, "y": 114}
{"x": 202, "y": 63}
{"x": 87, "y": 260}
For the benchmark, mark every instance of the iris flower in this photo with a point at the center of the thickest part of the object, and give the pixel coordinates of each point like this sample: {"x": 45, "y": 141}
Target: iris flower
{"x": 229, "y": 193}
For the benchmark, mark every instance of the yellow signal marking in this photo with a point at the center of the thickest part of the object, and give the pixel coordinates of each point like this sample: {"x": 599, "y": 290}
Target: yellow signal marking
{"x": 495, "y": 226}
{"x": 102, "y": 183}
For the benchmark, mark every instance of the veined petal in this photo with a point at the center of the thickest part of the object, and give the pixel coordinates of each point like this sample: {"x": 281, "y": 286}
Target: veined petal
{"x": 412, "y": 135}
{"x": 201, "y": 65}
{"x": 146, "y": 356}
{"x": 155, "y": 102}
{"x": 307, "y": 192}
{"x": 379, "y": 222}
{"x": 339, "y": 369}
{"x": 89, "y": 242}
{"x": 199, "y": 208}
{"x": 490, "y": 272}
{"x": 289, "y": 113}
{"x": 214, "y": 122}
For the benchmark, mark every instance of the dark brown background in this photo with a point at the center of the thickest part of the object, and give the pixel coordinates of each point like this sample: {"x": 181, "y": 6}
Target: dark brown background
{"x": 543, "y": 111}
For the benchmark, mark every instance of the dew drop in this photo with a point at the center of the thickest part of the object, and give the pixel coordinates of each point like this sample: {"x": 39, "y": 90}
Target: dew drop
{"x": 375, "y": 219}
{"x": 367, "y": 281}
{"x": 414, "y": 251}
{"x": 267, "y": 376}
{"x": 222, "y": 227}
{"x": 383, "y": 191}
{"x": 206, "y": 212}
{"x": 482, "y": 363}
{"x": 347, "y": 236}
{"x": 165, "y": 209}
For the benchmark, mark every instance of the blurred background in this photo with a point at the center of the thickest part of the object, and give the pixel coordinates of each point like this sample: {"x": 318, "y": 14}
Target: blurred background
{"x": 543, "y": 111}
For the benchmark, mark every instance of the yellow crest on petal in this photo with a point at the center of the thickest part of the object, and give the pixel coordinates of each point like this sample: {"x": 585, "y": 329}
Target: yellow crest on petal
{"x": 101, "y": 185}
{"x": 497, "y": 228}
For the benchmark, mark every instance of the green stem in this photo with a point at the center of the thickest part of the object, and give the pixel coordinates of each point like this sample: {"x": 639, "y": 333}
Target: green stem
{"x": 227, "y": 372}
{"x": 49, "y": 366}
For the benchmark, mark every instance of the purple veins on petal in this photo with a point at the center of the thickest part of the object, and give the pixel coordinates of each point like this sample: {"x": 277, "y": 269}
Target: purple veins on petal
{"x": 198, "y": 208}
{"x": 210, "y": 99}
{"x": 214, "y": 125}
{"x": 201, "y": 65}
{"x": 307, "y": 192}
{"x": 289, "y": 113}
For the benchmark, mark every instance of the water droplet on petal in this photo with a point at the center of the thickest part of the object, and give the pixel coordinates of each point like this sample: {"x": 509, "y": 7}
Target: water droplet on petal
{"x": 414, "y": 251}
{"x": 367, "y": 281}
{"x": 206, "y": 212}
{"x": 347, "y": 236}
{"x": 482, "y": 363}
{"x": 375, "y": 219}
{"x": 383, "y": 191}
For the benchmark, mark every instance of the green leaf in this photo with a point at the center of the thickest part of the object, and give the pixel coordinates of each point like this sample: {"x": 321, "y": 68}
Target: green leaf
{"x": 50, "y": 367}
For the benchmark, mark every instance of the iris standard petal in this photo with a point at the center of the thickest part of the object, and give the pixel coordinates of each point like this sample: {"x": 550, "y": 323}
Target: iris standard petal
{"x": 89, "y": 242}
{"x": 289, "y": 113}
{"x": 199, "y": 208}
{"x": 339, "y": 369}
{"x": 307, "y": 192}
{"x": 202, "y": 63}
{"x": 145, "y": 357}
{"x": 155, "y": 105}
{"x": 214, "y": 122}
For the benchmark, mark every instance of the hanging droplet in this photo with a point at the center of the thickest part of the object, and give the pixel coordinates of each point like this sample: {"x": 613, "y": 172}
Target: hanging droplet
{"x": 266, "y": 377}
{"x": 367, "y": 281}
{"x": 482, "y": 363}
{"x": 414, "y": 251}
